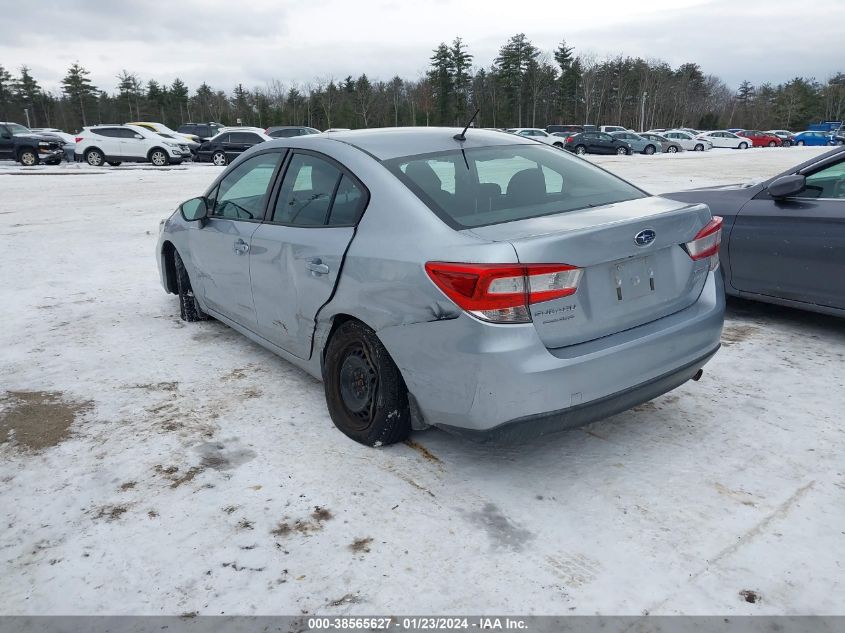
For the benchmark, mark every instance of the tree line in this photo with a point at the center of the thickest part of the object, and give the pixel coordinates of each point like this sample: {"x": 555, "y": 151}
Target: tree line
{"x": 523, "y": 87}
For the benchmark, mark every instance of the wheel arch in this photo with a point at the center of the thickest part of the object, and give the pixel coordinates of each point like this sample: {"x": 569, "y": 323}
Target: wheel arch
{"x": 169, "y": 267}
{"x": 24, "y": 148}
{"x": 153, "y": 149}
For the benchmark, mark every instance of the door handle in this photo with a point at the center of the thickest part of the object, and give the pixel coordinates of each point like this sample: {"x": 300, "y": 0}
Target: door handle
{"x": 240, "y": 247}
{"x": 317, "y": 266}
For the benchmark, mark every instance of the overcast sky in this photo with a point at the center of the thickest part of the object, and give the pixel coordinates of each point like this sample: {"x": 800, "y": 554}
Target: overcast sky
{"x": 255, "y": 41}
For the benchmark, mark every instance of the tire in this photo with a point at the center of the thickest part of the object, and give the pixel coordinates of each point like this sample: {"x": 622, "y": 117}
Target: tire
{"x": 219, "y": 159}
{"x": 28, "y": 157}
{"x": 114, "y": 163}
{"x": 621, "y": 151}
{"x": 365, "y": 394}
{"x": 94, "y": 157}
{"x": 580, "y": 149}
{"x": 840, "y": 142}
{"x": 558, "y": 145}
{"x": 189, "y": 309}
{"x": 159, "y": 157}
{"x": 649, "y": 150}
{"x": 800, "y": 143}
{"x": 772, "y": 144}
{"x": 699, "y": 147}
{"x": 671, "y": 150}
{"x": 743, "y": 145}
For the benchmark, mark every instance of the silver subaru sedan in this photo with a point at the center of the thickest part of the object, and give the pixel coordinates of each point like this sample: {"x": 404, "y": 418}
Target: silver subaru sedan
{"x": 482, "y": 283}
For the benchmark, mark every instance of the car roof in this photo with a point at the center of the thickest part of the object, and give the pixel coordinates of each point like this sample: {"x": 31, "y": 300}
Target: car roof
{"x": 392, "y": 142}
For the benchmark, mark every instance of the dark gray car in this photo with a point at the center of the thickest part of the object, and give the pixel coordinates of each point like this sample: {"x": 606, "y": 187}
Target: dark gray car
{"x": 783, "y": 240}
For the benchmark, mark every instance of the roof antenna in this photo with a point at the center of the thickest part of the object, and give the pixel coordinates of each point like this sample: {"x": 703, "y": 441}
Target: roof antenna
{"x": 463, "y": 135}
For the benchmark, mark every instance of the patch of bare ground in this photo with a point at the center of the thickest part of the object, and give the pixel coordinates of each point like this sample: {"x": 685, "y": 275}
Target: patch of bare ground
{"x": 35, "y": 420}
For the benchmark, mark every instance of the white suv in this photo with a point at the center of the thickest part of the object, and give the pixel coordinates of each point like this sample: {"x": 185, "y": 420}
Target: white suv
{"x": 114, "y": 144}
{"x": 538, "y": 135}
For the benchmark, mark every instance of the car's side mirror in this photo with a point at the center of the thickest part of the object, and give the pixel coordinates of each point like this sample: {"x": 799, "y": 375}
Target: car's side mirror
{"x": 786, "y": 186}
{"x": 138, "y": 136}
{"x": 5, "y": 135}
{"x": 194, "y": 209}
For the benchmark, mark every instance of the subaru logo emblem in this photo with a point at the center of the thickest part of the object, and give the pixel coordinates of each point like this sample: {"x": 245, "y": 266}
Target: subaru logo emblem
{"x": 645, "y": 237}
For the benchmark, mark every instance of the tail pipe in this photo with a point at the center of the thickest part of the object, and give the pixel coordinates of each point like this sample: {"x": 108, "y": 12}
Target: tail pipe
{"x": 697, "y": 375}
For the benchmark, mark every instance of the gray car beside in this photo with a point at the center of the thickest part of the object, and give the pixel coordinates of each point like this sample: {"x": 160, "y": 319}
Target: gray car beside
{"x": 784, "y": 238}
{"x": 484, "y": 284}
{"x": 639, "y": 143}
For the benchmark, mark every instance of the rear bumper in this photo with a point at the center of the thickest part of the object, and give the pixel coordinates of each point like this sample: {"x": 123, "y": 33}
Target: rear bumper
{"x": 480, "y": 377}
{"x": 532, "y": 426}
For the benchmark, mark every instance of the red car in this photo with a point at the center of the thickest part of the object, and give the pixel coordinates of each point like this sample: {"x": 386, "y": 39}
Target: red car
{"x": 761, "y": 139}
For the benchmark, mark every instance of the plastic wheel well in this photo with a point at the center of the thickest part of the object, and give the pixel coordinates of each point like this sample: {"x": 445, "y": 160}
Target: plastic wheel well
{"x": 169, "y": 267}
{"x": 21, "y": 150}
{"x": 156, "y": 148}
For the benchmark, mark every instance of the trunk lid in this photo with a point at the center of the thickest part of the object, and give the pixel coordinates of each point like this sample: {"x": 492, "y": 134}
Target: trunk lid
{"x": 624, "y": 284}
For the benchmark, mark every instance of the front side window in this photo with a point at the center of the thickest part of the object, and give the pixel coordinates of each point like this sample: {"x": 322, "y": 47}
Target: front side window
{"x": 15, "y": 128}
{"x": 492, "y": 185}
{"x": 826, "y": 183}
{"x": 242, "y": 192}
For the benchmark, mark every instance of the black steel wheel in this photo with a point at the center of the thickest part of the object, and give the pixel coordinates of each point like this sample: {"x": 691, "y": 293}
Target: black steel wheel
{"x": 365, "y": 394}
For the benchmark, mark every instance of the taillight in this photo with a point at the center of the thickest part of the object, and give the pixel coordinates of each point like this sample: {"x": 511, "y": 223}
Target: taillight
{"x": 502, "y": 293}
{"x": 79, "y": 139}
{"x": 706, "y": 243}
{"x": 568, "y": 139}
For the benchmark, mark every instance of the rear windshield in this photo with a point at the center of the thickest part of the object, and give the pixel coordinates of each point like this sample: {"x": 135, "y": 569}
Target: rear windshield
{"x": 492, "y": 185}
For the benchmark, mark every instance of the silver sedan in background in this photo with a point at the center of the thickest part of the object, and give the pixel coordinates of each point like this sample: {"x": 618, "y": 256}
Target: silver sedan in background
{"x": 482, "y": 283}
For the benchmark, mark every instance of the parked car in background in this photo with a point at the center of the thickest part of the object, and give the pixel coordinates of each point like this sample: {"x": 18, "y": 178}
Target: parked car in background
{"x": 783, "y": 239}
{"x": 287, "y": 131}
{"x": 203, "y": 131}
{"x": 337, "y": 129}
{"x": 115, "y": 144}
{"x": 838, "y": 138}
{"x": 761, "y": 139}
{"x": 612, "y": 128}
{"x": 736, "y": 130}
{"x": 541, "y": 275}
{"x": 68, "y": 140}
{"x": 811, "y": 137}
{"x": 566, "y": 130}
{"x": 241, "y": 128}
{"x": 658, "y": 130}
{"x": 21, "y": 144}
{"x": 639, "y": 143}
{"x": 182, "y": 139}
{"x": 786, "y": 137}
{"x": 688, "y": 141}
{"x": 725, "y": 139}
{"x": 161, "y": 128}
{"x": 227, "y": 146}
{"x": 537, "y": 134}
{"x": 669, "y": 146}
{"x": 596, "y": 143}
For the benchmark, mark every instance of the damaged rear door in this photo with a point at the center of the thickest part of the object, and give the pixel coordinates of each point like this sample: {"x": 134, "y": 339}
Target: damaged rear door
{"x": 297, "y": 255}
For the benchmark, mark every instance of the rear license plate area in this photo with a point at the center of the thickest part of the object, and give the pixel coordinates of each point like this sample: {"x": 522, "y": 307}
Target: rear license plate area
{"x": 633, "y": 278}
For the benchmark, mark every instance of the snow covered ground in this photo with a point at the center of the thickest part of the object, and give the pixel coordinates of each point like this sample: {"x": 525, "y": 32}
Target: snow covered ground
{"x": 150, "y": 466}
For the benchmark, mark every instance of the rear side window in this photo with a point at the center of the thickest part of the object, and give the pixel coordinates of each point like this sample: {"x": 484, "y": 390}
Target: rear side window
{"x": 112, "y": 132}
{"x": 245, "y": 137}
{"x": 315, "y": 192}
{"x": 479, "y": 187}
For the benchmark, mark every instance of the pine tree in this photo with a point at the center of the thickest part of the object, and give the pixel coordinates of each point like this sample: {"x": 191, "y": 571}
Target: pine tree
{"x": 5, "y": 93}
{"x": 29, "y": 93}
{"x": 512, "y": 65}
{"x": 78, "y": 89}
{"x": 460, "y": 67}
{"x": 179, "y": 97}
{"x": 441, "y": 77}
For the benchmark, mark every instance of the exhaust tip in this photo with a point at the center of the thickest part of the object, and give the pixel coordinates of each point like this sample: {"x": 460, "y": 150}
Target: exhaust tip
{"x": 697, "y": 375}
